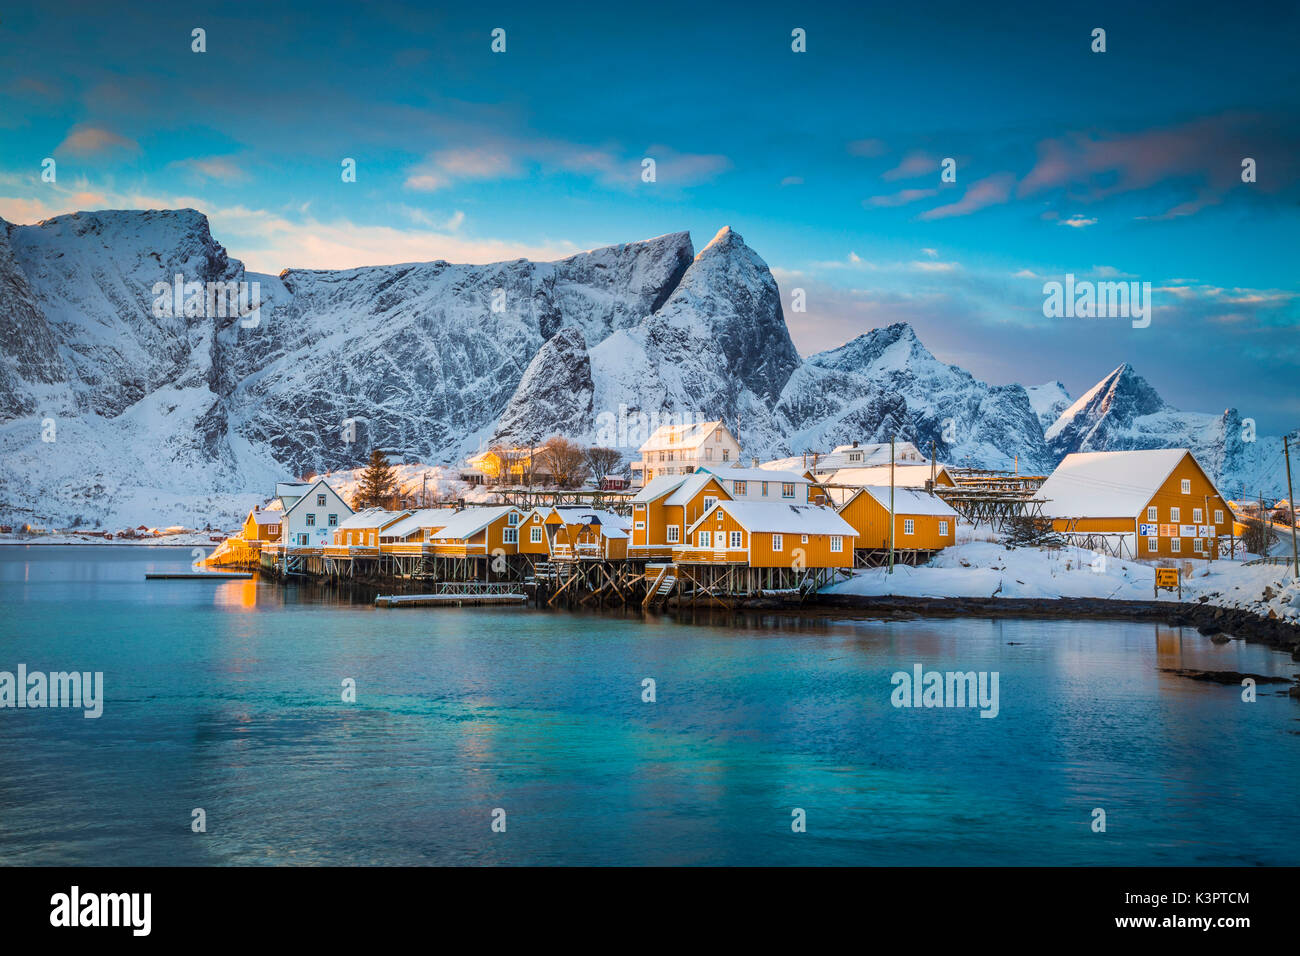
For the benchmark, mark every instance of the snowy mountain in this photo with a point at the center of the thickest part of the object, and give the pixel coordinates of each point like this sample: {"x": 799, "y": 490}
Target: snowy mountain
{"x": 885, "y": 381}
{"x": 1123, "y": 412}
{"x": 1048, "y": 402}
{"x": 113, "y": 413}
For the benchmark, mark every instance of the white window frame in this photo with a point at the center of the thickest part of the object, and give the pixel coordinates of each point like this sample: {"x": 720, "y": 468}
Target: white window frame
{"x": 509, "y": 535}
{"x": 674, "y": 533}
{"x": 1153, "y": 544}
{"x": 739, "y": 488}
{"x": 1196, "y": 516}
{"x": 1198, "y": 546}
{"x": 1218, "y": 516}
{"x": 787, "y": 489}
{"x": 512, "y": 519}
{"x": 735, "y": 541}
{"x": 803, "y": 539}
{"x": 777, "y": 543}
{"x": 1175, "y": 515}
{"x": 943, "y": 529}
{"x": 536, "y": 534}
{"x": 1153, "y": 513}
{"x": 1175, "y": 545}
{"x": 705, "y": 539}
{"x": 1186, "y": 486}
{"x": 709, "y": 502}
{"x": 640, "y": 526}
{"x": 837, "y": 544}
{"x": 909, "y": 526}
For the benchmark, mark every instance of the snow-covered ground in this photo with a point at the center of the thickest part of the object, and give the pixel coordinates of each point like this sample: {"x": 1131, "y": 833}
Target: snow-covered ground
{"x": 187, "y": 540}
{"x": 983, "y": 569}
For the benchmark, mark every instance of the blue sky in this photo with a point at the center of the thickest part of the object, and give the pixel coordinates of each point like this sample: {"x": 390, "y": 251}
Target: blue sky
{"x": 1120, "y": 164}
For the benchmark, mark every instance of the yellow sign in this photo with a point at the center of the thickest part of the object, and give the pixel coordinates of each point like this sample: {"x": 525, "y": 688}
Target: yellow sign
{"x": 1166, "y": 577}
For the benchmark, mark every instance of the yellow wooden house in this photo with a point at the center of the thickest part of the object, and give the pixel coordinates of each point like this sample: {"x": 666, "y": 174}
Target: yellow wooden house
{"x": 763, "y": 534}
{"x": 666, "y": 507}
{"x": 922, "y": 522}
{"x": 479, "y": 532}
{"x": 359, "y": 533}
{"x": 1157, "y": 503}
{"x": 262, "y": 525}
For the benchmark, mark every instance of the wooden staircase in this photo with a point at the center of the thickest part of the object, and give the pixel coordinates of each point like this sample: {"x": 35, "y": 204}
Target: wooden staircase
{"x": 661, "y": 585}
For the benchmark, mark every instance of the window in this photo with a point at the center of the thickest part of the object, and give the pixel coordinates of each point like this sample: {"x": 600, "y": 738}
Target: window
{"x": 320, "y": 501}
{"x": 909, "y": 526}
{"x": 333, "y": 521}
{"x": 739, "y": 487}
{"x": 1153, "y": 513}
{"x": 717, "y": 435}
{"x": 1175, "y": 545}
{"x": 304, "y": 539}
{"x": 1175, "y": 515}
{"x": 674, "y": 533}
{"x": 708, "y": 454}
{"x": 709, "y": 503}
{"x": 735, "y": 540}
{"x": 837, "y": 544}
{"x": 1218, "y": 516}
{"x": 1198, "y": 546}
{"x": 777, "y": 543}
{"x": 1153, "y": 544}
{"x": 311, "y": 520}
{"x": 372, "y": 537}
{"x": 787, "y": 489}
{"x": 855, "y": 456}
{"x": 510, "y": 535}
{"x": 535, "y": 536}
{"x": 763, "y": 489}
{"x": 513, "y": 518}
{"x": 640, "y": 526}
{"x": 1187, "y": 486}
{"x": 1196, "y": 516}
{"x": 943, "y": 529}
{"x": 726, "y": 454}
{"x": 803, "y": 539}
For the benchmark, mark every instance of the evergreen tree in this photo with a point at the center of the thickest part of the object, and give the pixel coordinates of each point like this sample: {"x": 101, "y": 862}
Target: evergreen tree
{"x": 378, "y": 483}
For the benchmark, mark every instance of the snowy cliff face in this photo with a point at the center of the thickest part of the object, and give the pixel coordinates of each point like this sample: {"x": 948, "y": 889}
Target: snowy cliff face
{"x": 1048, "y": 402}
{"x": 111, "y": 415}
{"x": 1123, "y": 412}
{"x": 886, "y": 381}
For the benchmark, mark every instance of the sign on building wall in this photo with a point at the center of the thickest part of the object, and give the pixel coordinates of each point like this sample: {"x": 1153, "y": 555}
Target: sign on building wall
{"x": 1148, "y": 530}
{"x": 1187, "y": 530}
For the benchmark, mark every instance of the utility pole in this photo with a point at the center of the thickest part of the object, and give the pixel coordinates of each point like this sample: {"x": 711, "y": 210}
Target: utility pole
{"x": 1290, "y": 500}
{"x": 933, "y": 476}
{"x": 892, "y": 520}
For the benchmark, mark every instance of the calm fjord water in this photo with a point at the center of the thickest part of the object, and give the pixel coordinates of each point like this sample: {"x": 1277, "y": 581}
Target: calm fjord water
{"x": 227, "y": 696}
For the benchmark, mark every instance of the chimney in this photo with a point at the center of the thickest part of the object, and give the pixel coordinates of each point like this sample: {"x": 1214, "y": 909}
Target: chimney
{"x": 754, "y": 461}
{"x": 855, "y": 443}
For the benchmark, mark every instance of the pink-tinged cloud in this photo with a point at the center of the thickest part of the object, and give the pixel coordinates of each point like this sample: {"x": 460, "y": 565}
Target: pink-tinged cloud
{"x": 221, "y": 168}
{"x": 900, "y": 198}
{"x": 92, "y": 140}
{"x": 868, "y": 147}
{"x": 990, "y": 191}
{"x": 913, "y": 165}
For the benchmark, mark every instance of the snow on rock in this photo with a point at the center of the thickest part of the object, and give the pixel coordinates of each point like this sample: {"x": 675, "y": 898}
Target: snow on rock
{"x": 1048, "y": 402}
{"x": 886, "y": 382}
{"x": 554, "y": 396}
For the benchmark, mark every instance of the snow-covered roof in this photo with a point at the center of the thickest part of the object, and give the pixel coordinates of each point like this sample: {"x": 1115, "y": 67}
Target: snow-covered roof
{"x": 611, "y": 525}
{"x": 690, "y": 488}
{"x": 370, "y": 518}
{"x": 656, "y": 488}
{"x": 907, "y": 501}
{"x": 471, "y": 521}
{"x": 261, "y": 516}
{"x": 310, "y": 489}
{"x": 780, "y": 518}
{"x": 754, "y": 474}
{"x": 418, "y": 520}
{"x": 914, "y": 476}
{"x": 1107, "y": 484}
{"x": 679, "y": 436}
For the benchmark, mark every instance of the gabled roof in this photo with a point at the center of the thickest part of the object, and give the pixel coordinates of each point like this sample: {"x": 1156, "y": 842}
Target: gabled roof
{"x": 780, "y": 518}
{"x": 467, "y": 523}
{"x": 372, "y": 518}
{"x": 907, "y": 501}
{"x": 666, "y": 437}
{"x": 1108, "y": 484}
{"x": 912, "y": 476}
{"x": 310, "y": 490}
{"x": 753, "y": 474}
{"x": 656, "y": 488}
{"x": 262, "y": 516}
{"x": 611, "y": 525}
{"x": 418, "y": 520}
{"x": 691, "y": 487}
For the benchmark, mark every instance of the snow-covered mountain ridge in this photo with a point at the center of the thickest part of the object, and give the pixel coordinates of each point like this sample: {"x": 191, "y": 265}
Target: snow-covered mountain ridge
{"x": 110, "y": 414}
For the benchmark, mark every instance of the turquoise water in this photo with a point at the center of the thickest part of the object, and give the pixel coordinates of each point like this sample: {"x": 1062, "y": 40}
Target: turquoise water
{"x": 227, "y": 697}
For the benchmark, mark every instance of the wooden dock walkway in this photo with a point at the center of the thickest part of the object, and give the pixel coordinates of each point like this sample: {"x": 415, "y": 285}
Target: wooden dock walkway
{"x": 198, "y": 575}
{"x": 447, "y": 600}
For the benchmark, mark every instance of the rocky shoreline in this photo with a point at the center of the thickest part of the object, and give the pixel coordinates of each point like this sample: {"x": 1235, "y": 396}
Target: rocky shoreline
{"x": 1206, "y": 618}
